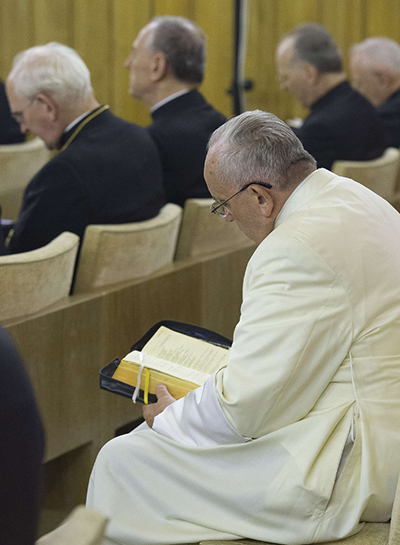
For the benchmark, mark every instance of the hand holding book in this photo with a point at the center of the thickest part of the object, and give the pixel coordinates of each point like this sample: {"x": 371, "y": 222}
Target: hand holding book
{"x": 180, "y": 361}
{"x": 164, "y": 399}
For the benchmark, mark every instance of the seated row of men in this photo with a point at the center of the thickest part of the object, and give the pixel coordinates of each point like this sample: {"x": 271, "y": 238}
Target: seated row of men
{"x": 112, "y": 171}
{"x": 109, "y": 170}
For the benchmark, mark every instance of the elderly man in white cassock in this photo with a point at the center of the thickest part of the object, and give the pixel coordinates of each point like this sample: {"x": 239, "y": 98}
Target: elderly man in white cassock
{"x": 297, "y": 439}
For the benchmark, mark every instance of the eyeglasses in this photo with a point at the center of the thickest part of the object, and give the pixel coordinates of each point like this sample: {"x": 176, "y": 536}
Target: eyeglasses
{"x": 19, "y": 116}
{"x": 220, "y": 208}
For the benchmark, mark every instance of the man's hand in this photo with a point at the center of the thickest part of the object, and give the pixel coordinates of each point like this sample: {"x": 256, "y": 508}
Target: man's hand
{"x": 164, "y": 398}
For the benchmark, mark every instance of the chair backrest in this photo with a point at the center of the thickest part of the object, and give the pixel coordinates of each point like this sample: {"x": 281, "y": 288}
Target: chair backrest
{"x": 395, "y": 201}
{"x": 394, "y": 533}
{"x": 118, "y": 253}
{"x": 203, "y": 233}
{"x": 82, "y": 527}
{"x": 18, "y": 164}
{"x": 31, "y": 281}
{"x": 380, "y": 175}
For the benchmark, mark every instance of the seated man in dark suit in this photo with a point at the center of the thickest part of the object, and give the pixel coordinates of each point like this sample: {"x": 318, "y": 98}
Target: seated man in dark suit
{"x": 375, "y": 73}
{"x": 9, "y": 129}
{"x": 21, "y": 450}
{"x": 107, "y": 170}
{"x": 342, "y": 124}
{"x": 166, "y": 68}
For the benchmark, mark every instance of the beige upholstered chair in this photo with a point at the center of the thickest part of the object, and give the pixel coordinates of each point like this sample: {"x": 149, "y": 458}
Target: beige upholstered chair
{"x": 117, "y": 253}
{"x": 203, "y": 233}
{"x": 18, "y": 164}
{"x": 31, "y": 281}
{"x": 82, "y": 527}
{"x": 395, "y": 201}
{"x": 380, "y": 175}
{"x": 373, "y": 533}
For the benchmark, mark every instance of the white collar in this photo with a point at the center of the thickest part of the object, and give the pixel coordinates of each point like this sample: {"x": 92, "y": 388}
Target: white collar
{"x": 304, "y": 192}
{"x": 168, "y": 99}
{"x": 76, "y": 121}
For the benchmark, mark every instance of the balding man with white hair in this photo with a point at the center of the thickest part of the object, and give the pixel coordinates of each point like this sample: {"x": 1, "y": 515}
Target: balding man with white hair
{"x": 107, "y": 170}
{"x": 297, "y": 439}
{"x": 375, "y": 72}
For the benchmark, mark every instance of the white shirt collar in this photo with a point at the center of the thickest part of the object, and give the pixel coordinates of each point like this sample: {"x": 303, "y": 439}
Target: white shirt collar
{"x": 168, "y": 99}
{"x": 76, "y": 121}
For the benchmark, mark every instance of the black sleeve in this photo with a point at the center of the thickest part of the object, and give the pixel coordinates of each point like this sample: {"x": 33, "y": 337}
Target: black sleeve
{"x": 319, "y": 142}
{"x": 21, "y": 450}
{"x": 9, "y": 129}
{"x": 54, "y": 201}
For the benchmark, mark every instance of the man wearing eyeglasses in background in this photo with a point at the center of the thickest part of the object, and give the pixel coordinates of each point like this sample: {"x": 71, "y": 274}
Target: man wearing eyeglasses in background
{"x": 297, "y": 439}
{"x": 107, "y": 170}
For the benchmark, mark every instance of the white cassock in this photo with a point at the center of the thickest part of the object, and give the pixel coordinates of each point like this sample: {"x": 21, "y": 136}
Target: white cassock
{"x": 297, "y": 440}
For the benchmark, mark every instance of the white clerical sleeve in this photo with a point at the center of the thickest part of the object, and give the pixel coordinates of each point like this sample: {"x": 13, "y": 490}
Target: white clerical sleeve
{"x": 294, "y": 333}
{"x": 197, "y": 419}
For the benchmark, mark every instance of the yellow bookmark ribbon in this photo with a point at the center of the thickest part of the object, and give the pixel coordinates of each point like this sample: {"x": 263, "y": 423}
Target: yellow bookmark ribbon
{"x": 146, "y": 387}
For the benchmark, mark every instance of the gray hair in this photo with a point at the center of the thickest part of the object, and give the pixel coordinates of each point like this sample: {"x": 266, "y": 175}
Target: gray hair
{"x": 313, "y": 44}
{"x": 53, "y": 68}
{"x": 379, "y": 52}
{"x": 258, "y": 146}
{"x": 184, "y": 45}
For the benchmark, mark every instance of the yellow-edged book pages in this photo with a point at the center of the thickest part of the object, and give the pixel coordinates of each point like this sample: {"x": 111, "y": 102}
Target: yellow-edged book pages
{"x": 181, "y": 362}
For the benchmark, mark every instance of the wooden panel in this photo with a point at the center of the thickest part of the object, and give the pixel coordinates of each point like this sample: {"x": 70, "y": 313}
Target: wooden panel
{"x": 346, "y": 22}
{"x": 16, "y": 32}
{"x": 128, "y": 19}
{"x": 217, "y": 20}
{"x": 262, "y": 41}
{"x": 182, "y": 8}
{"x": 383, "y": 18}
{"x": 62, "y": 352}
{"x": 292, "y": 13}
{"x": 92, "y": 40}
{"x": 53, "y": 21}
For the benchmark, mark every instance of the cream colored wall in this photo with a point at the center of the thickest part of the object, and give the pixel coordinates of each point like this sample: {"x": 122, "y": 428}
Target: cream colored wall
{"x": 102, "y": 31}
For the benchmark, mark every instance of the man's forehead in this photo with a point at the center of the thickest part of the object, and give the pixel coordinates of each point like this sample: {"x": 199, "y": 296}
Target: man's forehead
{"x": 12, "y": 97}
{"x": 217, "y": 188}
{"x": 285, "y": 49}
{"x": 143, "y": 35}
{"x": 211, "y": 160}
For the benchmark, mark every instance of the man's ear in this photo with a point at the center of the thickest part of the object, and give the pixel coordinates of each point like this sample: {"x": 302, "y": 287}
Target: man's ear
{"x": 158, "y": 67}
{"x": 50, "y": 106}
{"x": 265, "y": 201}
{"x": 384, "y": 77}
{"x": 311, "y": 73}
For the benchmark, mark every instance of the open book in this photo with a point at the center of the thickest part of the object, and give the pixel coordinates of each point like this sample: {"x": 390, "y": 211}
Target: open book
{"x": 179, "y": 361}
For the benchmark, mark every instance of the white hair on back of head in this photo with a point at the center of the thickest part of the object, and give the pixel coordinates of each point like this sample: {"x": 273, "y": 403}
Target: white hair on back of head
{"x": 379, "y": 52}
{"x": 258, "y": 146}
{"x": 55, "y": 69}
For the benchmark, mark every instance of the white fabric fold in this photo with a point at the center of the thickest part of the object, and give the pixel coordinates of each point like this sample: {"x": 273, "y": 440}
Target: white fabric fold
{"x": 198, "y": 420}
